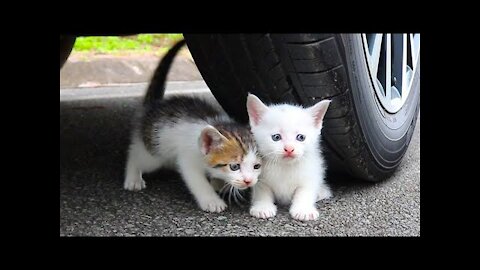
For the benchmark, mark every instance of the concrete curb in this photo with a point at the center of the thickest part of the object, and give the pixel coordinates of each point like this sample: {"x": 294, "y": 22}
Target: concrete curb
{"x": 132, "y": 90}
{"x": 106, "y": 70}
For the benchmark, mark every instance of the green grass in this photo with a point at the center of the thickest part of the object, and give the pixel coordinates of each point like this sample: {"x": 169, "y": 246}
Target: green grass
{"x": 110, "y": 44}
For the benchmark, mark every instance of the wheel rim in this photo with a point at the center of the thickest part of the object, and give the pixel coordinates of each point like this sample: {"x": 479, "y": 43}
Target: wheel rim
{"x": 392, "y": 60}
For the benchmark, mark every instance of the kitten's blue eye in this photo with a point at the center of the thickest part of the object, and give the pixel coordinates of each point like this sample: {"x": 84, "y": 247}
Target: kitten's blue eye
{"x": 234, "y": 167}
{"x": 276, "y": 137}
{"x": 300, "y": 137}
{"x": 256, "y": 166}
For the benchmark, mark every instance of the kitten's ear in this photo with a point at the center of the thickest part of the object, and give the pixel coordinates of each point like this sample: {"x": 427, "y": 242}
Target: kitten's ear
{"x": 318, "y": 112}
{"x": 210, "y": 138}
{"x": 255, "y": 108}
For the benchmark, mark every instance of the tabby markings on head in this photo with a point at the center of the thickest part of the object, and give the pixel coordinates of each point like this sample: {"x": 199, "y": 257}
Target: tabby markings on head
{"x": 238, "y": 144}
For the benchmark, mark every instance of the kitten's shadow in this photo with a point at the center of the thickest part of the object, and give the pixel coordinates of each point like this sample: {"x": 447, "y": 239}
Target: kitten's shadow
{"x": 94, "y": 139}
{"x": 343, "y": 184}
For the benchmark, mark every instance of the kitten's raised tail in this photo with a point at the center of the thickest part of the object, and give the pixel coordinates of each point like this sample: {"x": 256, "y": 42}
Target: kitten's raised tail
{"x": 156, "y": 89}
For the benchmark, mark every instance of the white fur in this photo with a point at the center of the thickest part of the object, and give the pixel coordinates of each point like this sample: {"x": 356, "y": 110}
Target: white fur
{"x": 299, "y": 181}
{"x": 180, "y": 148}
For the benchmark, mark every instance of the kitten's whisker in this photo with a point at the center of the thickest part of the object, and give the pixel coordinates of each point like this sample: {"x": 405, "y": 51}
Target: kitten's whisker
{"x": 222, "y": 190}
{"x": 240, "y": 195}
{"x": 227, "y": 192}
{"x": 230, "y": 195}
{"x": 273, "y": 153}
{"x": 272, "y": 160}
{"x": 241, "y": 198}
{"x": 235, "y": 196}
{"x": 272, "y": 157}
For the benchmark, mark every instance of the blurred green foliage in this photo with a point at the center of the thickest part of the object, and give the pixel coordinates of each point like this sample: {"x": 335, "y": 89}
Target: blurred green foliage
{"x": 141, "y": 42}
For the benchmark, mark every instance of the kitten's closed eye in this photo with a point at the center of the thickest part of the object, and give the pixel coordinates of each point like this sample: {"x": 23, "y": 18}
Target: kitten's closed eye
{"x": 219, "y": 165}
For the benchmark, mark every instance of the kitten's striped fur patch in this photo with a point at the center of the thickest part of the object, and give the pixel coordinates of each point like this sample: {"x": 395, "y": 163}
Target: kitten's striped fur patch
{"x": 171, "y": 111}
{"x": 239, "y": 143}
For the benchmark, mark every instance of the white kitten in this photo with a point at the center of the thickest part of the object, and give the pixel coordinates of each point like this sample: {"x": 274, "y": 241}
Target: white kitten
{"x": 288, "y": 138}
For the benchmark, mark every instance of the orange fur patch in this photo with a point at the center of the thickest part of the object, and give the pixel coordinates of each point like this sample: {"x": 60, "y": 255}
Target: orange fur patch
{"x": 229, "y": 152}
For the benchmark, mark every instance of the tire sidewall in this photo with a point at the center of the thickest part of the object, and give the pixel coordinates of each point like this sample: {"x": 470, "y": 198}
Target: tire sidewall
{"x": 386, "y": 135}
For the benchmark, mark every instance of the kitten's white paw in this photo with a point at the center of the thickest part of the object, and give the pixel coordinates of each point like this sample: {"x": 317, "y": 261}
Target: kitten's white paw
{"x": 304, "y": 213}
{"x": 263, "y": 210}
{"x": 213, "y": 205}
{"x": 324, "y": 193}
{"x": 134, "y": 184}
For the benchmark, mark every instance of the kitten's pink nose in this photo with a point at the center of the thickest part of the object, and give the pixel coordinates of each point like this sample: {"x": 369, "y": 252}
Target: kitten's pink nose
{"x": 288, "y": 149}
{"x": 247, "y": 181}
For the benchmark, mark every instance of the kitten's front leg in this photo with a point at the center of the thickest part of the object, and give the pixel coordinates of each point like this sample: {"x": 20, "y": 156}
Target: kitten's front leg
{"x": 303, "y": 204}
{"x": 262, "y": 201}
{"x": 193, "y": 174}
{"x": 133, "y": 176}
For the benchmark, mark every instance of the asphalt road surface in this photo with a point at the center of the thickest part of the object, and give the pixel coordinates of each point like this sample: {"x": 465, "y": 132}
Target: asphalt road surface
{"x": 94, "y": 135}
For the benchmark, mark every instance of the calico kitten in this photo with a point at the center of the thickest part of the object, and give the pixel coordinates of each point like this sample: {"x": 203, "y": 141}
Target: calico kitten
{"x": 288, "y": 138}
{"x": 193, "y": 136}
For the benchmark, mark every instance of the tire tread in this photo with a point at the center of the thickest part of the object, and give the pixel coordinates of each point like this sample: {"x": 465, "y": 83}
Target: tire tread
{"x": 294, "y": 68}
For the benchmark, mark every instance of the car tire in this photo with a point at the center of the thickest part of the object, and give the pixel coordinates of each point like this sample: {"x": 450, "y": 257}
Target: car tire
{"x": 66, "y": 46}
{"x": 364, "y": 133}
